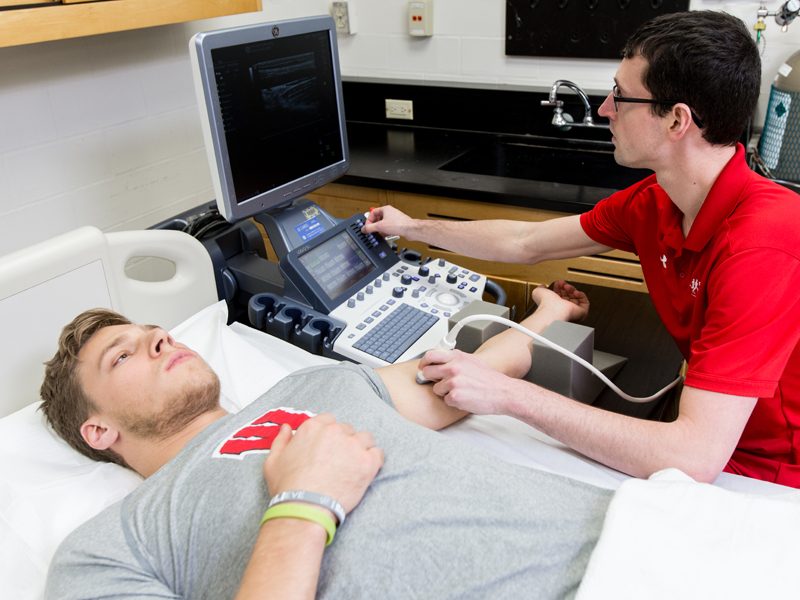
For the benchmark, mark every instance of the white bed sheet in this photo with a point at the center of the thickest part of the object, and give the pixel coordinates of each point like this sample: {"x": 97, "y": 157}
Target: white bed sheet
{"x": 670, "y": 537}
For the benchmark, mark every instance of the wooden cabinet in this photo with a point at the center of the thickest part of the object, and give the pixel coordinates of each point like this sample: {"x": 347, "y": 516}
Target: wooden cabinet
{"x": 68, "y": 19}
{"x": 620, "y": 270}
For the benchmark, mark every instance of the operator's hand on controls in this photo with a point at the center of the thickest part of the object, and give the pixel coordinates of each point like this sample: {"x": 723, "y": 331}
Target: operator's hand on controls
{"x": 464, "y": 382}
{"x": 325, "y": 457}
{"x": 561, "y": 301}
{"x": 387, "y": 221}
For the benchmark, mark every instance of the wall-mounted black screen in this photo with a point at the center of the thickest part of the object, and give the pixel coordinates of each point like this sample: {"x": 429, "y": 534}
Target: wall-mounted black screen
{"x": 578, "y": 28}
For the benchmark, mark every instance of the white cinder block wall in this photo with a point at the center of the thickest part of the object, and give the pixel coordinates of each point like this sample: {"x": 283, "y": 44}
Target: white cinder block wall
{"x": 104, "y": 130}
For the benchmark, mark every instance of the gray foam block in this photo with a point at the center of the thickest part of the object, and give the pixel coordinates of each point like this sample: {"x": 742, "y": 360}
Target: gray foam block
{"x": 554, "y": 371}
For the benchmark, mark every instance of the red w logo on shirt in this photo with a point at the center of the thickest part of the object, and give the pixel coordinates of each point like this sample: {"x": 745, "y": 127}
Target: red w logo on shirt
{"x": 259, "y": 434}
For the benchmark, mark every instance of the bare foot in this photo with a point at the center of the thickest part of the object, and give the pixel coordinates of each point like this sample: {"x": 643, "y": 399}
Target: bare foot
{"x": 564, "y": 300}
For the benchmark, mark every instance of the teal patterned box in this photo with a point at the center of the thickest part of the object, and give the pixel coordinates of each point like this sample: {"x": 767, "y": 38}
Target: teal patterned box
{"x": 779, "y": 145}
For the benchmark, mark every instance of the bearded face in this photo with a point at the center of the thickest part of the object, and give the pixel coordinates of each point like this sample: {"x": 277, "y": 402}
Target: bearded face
{"x": 145, "y": 383}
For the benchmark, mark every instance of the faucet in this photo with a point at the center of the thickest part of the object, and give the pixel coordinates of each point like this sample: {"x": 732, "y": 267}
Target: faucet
{"x": 564, "y": 120}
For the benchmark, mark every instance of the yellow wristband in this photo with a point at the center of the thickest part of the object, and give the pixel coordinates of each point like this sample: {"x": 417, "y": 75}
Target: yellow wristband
{"x": 302, "y": 511}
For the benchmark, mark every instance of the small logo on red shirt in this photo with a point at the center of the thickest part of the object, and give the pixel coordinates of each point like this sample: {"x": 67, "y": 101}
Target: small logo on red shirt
{"x": 663, "y": 260}
{"x": 695, "y": 286}
{"x": 258, "y": 435}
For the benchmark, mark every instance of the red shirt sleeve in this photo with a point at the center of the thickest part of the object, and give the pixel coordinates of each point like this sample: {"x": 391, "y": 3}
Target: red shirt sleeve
{"x": 608, "y": 223}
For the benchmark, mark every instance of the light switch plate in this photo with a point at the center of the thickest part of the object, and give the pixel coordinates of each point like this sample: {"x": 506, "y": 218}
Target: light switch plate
{"x": 420, "y": 18}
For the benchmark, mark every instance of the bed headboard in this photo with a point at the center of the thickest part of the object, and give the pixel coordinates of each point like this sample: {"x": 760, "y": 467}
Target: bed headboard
{"x": 44, "y": 286}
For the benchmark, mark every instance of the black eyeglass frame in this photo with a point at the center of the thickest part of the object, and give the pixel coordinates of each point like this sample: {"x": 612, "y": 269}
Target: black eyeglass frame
{"x": 616, "y": 99}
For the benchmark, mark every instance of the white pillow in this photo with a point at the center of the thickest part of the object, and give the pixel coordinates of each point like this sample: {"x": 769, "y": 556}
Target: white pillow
{"x": 47, "y": 488}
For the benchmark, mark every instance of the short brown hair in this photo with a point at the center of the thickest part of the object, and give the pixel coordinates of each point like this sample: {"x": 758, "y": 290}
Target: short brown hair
{"x": 707, "y": 59}
{"x": 65, "y": 404}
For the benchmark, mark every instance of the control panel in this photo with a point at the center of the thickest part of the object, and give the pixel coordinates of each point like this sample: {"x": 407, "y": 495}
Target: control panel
{"x": 405, "y": 311}
{"x": 392, "y": 310}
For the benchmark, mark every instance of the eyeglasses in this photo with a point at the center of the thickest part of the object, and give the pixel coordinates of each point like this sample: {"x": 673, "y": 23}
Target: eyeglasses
{"x": 617, "y": 99}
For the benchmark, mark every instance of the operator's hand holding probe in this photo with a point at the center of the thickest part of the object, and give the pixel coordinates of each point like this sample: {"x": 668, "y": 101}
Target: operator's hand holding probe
{"x": 466, "y": 383}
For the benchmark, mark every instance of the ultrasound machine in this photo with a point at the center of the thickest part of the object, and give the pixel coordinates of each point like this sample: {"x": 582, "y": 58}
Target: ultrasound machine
{"x": 272, "y": 111}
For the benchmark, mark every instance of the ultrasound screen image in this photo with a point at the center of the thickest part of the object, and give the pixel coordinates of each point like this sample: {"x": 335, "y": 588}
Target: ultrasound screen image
{"x": 279, "y": 110}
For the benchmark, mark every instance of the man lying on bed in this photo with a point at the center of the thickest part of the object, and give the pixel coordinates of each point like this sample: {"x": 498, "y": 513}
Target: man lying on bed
{"x": 440, "y": 519}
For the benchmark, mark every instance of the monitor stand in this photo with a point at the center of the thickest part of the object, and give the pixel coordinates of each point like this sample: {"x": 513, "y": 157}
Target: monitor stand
{"x": 291, "y": 225}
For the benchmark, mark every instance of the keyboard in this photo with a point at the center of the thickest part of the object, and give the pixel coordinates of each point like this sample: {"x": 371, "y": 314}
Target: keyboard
{"x": 396, "y": 333}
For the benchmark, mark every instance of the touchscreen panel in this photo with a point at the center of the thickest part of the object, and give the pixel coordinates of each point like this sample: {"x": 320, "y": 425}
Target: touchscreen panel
{"x": 336, "y": 264}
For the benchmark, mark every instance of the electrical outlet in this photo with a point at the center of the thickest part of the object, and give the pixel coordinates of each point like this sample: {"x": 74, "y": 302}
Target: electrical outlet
{"x": 343, "y": 18}
{"x": 399, "y": 109}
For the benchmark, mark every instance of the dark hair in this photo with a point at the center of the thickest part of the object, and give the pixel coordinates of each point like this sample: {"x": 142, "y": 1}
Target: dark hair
{"x": 65, "y": 405}
{"x": 706, "y": 59}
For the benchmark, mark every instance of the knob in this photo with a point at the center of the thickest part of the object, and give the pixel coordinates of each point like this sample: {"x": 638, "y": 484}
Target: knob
{"x": 385, "y": 276}
{"x": 360, "y": 295}
{"x": 415, "y": 294}
{"x": 423, "y": 271}
{"x": 405, "y": 279}
{"x": 441, "y": 262}
{"x": 351, "y": 303}
{"x": 451, "y": 278}
{"x": 378, "y": 283}
{"x": 369, "y": 289}
{"x": 398, "y": 292}
{"x": 432, "y": 279}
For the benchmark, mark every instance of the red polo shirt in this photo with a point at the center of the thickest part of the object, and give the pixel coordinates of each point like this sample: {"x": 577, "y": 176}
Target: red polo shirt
{"x": 729, "y": 293}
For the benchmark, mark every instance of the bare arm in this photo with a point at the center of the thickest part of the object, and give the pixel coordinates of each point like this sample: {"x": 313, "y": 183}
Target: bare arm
{"x": 285, "y": 562}
{"x": 699, "y": 442}
{"x": 500, "y": 240}
{"x": 508, "y": 352}
{"x": 325, "y": 457}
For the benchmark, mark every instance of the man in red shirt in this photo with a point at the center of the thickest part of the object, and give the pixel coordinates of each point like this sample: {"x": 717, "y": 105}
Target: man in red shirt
{"x": 719, "y": 248}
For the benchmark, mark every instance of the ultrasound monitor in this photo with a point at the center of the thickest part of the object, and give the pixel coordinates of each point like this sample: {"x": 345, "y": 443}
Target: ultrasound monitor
{"x": 270, "y": 98}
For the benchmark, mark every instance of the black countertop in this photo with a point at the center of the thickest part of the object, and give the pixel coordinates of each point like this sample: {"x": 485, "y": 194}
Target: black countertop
{"x": 409, "y": 159}
{"x": 487, "y": 132}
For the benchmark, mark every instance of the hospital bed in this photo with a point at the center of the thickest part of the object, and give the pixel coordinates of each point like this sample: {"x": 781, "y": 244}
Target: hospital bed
{"x": 666, "y": 537}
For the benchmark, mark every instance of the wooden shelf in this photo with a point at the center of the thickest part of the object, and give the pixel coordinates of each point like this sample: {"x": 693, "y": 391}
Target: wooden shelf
{"x": 45, "y": 23}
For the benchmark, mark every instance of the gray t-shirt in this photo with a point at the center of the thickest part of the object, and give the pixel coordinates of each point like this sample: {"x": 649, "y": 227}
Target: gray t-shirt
{"x": 441, "y": 520}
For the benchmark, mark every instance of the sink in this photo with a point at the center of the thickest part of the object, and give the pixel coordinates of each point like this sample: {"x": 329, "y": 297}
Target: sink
{"x": 584, "y": 165}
